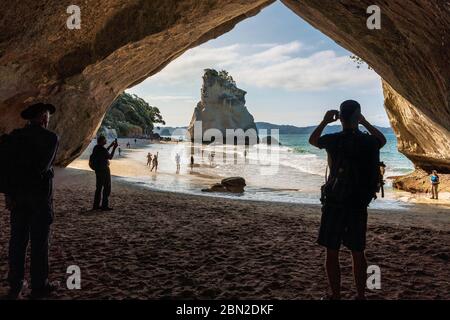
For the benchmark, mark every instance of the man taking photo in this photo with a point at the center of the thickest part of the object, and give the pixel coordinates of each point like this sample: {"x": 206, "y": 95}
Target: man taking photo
{"x": 353, "y": 158}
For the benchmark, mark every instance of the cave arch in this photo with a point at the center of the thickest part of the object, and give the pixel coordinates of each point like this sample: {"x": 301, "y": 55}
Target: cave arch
{"x": 123, "y": 42}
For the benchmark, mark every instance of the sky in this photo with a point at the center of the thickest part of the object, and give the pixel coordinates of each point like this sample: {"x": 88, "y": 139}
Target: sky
{"x": 292, "y": 73}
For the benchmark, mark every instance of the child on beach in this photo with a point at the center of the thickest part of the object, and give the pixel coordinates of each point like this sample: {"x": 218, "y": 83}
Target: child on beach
{"x": 434, "y": 185}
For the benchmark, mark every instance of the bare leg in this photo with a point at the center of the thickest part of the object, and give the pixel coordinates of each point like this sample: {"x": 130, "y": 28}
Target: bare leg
{"x": 360, "y": 273}
{"x": 333, "y": 273}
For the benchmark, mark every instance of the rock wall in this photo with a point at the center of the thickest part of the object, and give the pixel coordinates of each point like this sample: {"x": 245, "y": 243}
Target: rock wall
{"x": 411, "y": 53}
{"x": 421, "y": 139}
{"x": 222, "y": 107}
{"x": 122, "y": 42}
{"x": 419, "y": 182}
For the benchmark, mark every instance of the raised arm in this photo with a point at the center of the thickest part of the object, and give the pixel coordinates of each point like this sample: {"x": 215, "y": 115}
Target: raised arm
{"x": 373, "y": 131}
{"x": 114, "y": 145}
{"x": 330, "y": 116}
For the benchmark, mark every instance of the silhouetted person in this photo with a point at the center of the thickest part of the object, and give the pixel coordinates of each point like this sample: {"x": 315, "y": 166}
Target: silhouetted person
{"x": 353, "y": 158}
{"x": 30, "y": 200}
{"x": 382, "y": 173}
{"x": 155, "y": 162}
{"x": 192, "y": 162}
{"x": 434, "y": 185}
{"x": 100, "y": 157}
{"x": 149, "y": 159}
{"x": 178, "y": 161}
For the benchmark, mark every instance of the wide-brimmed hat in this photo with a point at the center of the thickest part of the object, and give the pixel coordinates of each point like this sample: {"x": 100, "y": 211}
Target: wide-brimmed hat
{"x": 35, "y": 109}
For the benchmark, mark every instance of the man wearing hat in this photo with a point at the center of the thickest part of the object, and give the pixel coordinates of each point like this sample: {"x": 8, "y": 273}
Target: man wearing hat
{"x": 30, "y": 199}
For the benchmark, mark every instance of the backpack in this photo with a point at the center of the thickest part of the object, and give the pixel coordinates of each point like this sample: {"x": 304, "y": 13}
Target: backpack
{"x": 348, "y": 186}
{"x": 93, "y": 162}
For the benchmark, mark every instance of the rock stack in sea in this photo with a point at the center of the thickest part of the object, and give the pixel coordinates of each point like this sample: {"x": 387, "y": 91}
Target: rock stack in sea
{"x": 222, "y": 107}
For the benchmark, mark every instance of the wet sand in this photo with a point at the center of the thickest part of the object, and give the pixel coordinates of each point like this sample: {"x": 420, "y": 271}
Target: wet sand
{"x": 162, "y": 245}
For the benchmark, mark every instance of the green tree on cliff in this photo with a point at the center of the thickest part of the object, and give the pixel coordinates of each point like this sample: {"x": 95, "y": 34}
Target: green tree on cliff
{"x": 226, "y": 76}
{"x": 359, "y": 62}
{"x": 131, "y": 115}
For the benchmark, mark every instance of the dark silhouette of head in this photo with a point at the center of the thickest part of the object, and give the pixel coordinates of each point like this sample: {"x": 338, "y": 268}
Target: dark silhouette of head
{"x": 350, "y": 113}
{"x": 101, "y": 140}
{"x": 39, "y": 113}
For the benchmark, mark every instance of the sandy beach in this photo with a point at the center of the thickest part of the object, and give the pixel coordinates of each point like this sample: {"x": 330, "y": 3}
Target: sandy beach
{"x": 163, "y": 245}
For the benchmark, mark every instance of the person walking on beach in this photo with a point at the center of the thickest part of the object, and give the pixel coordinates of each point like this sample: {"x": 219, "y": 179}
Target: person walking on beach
{"x": 120, "y": 151}
{"x": 155, "y": 162}
{"x": 192, "y": 163}
{"x": 434, "y": 185}
{"x": 32, "y": 151}
{"x": 178, "y": 161}
{"x": 149, "y": 159}
{"x": 99, "y": 162}
{"x": 354, "y": 179}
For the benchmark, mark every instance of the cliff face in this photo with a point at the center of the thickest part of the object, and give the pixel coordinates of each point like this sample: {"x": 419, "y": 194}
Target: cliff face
{"x": 421, "y": 139}
{"x": 122, "y": 42}
{"x": 222, "y": 107}
{"x": 411, "y": 53}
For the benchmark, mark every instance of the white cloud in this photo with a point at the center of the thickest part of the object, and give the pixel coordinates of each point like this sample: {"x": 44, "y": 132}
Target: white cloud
{"x": 276, "y": 66}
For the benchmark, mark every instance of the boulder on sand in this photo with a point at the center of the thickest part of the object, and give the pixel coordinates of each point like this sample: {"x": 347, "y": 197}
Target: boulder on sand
{"x": 233, "y": 185}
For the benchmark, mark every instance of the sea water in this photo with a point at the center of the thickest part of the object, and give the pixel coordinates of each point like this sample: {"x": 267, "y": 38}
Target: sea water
{"x": 291, "y": 172}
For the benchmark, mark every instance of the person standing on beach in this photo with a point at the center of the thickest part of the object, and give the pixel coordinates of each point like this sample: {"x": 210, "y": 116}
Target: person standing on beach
{"x": 178, "y": 161}
{"x": 434, "y": 185}
{"x": 149, "y": 159}
{"x": 354, "y": 179}
{"x": 99, "y": 161}
{"x": 155, "y": 162}
{"x": 192, "y": 163}
{"x": 30, "y": 200}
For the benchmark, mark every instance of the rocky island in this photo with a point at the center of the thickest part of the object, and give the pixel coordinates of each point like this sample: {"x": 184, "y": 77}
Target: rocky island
{"x": 222, "y": 107}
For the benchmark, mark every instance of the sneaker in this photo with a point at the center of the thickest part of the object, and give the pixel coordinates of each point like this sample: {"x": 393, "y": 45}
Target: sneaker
{"x": 44, "y": 292}
{"x": 107, "y": 209}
